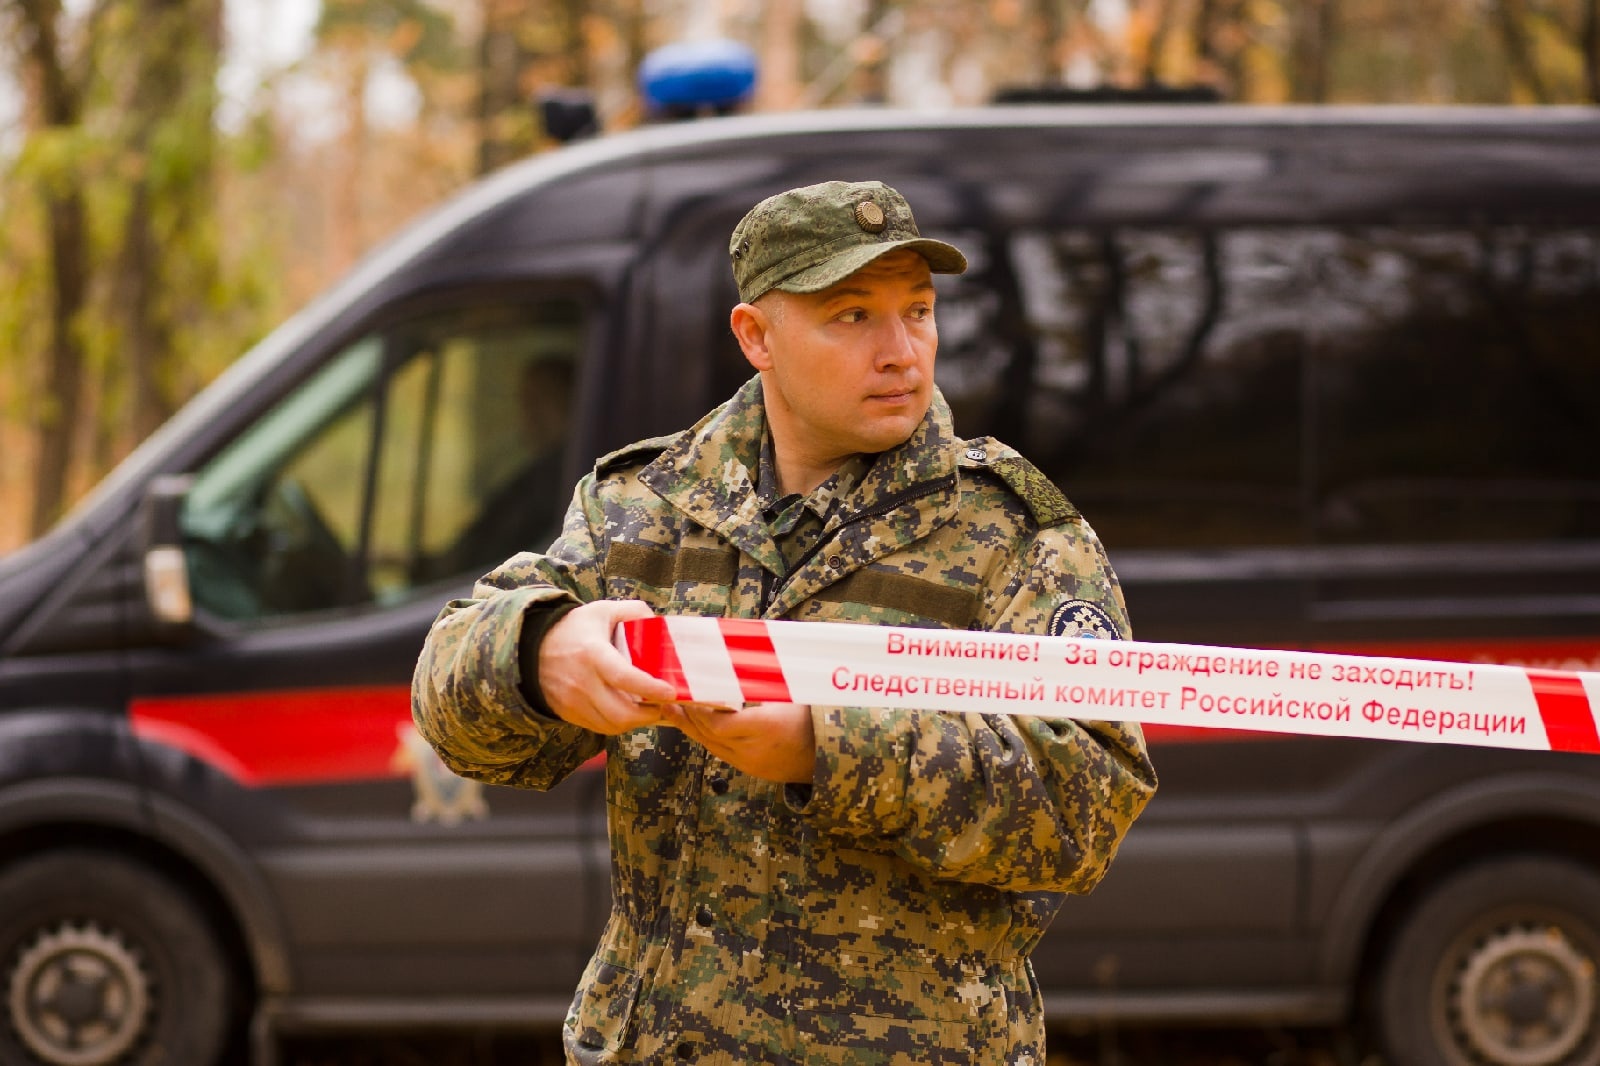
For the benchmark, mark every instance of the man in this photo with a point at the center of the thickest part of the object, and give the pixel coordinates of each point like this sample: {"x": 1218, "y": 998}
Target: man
{"x": 792, "y": 883}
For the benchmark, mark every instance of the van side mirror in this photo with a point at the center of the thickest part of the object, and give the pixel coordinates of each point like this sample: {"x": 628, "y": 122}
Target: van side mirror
{"x": 166, "y": 572}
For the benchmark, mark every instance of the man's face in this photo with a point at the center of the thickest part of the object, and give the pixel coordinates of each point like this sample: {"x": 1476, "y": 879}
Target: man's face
{"x": 850, "y": 369}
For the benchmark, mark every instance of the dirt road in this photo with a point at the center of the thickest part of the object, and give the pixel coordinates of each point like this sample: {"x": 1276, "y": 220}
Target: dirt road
{"x": 1120, "y": 1047}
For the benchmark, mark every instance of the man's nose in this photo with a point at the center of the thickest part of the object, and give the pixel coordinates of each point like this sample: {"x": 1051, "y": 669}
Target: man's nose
{"x": 894, "y": 345}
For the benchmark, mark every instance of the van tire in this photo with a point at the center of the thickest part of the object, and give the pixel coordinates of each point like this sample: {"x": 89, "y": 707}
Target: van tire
{"x": 104, "y": 961}
{"x": 1495, "y": 966}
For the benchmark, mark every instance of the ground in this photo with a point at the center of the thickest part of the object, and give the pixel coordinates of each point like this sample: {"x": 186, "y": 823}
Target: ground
{"x": 1109, "y": 1047}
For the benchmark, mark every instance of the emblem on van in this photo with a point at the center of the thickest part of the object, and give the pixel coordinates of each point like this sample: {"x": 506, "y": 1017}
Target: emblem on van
{"x": 441, "y": 796}
{"x": 869, "y": 216}
{"x": 1080, "y": 618}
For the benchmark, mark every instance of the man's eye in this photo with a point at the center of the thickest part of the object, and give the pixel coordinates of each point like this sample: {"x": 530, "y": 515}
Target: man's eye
{"x": 853, "y": 316}
{"x": 922, "y": 312}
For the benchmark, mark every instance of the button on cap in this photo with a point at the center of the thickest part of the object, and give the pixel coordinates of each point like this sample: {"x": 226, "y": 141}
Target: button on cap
{"x": 703, "y": 915}
{"x": 869, "y": 216}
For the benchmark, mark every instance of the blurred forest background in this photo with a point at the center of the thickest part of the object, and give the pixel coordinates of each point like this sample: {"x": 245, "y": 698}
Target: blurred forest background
{"x": 163, "y": 204}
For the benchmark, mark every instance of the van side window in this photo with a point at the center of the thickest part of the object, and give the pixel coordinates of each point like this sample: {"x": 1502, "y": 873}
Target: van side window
{"x": 428, "y": 450}
{"x": 1155, "y": 374}
{"x": 1458, "y": 386}
{"x": 1272, "y": 386}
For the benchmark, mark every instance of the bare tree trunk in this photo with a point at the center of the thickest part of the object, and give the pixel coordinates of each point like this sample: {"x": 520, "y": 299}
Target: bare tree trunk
{"x": 634, "y": 35}
{"x": 506, "y": 130}
{"x": 1510, "y": 18}
{"x": 779, "y": 87}
{"x": 1311, "y": 50}
{"x": 60, "y": 104}
{"x": 147, "y": 324}
{"x": 1160, "y": 30}
{"x": 1053, "y": 38}
{"x": 347, "y": 222}
{"x": 168, "y": 106}
{"x": 495, "y": 48}
{"x": 170, "y": 30}
{"x": 1205, "y": 42}
{"x": 1231, "y": 20}
{"x": 69, "y": 277}
{"x": 575, "y": 46}
{"x": 871, "y": 81}
{"x": 1591, "y": 50}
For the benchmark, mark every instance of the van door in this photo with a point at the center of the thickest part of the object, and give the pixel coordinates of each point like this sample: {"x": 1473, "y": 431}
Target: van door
{"x": 321, "y": 542}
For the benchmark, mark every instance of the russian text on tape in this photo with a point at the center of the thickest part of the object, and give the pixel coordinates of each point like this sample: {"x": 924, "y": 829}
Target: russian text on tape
{"x": 1306, "y": 693}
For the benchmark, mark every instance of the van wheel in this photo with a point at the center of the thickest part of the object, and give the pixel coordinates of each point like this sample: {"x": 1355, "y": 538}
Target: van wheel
{"x": 1496, "y": 967}
{"x": 103, "y": 962}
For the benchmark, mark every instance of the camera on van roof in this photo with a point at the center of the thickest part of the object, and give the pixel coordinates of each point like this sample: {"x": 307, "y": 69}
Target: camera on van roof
{"x": 568, "y": 114}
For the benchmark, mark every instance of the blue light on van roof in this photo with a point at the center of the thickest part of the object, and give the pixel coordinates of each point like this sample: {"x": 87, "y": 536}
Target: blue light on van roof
{"x": 689, "y": 75}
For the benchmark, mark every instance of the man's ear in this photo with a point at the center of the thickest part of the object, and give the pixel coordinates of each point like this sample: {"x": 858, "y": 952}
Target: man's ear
{"x": 751, "y": 325}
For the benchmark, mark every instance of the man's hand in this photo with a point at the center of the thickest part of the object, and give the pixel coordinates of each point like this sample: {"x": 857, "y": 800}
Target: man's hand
{"x": 773, "y": 741}
{"x": 588, "y": 682}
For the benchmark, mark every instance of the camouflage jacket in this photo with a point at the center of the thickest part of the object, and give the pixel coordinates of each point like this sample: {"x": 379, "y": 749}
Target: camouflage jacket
{"x": 883, "y": 914}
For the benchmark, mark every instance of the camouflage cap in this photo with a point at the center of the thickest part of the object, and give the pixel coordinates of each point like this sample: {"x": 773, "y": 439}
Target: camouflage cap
{"x": 809, "y": 238}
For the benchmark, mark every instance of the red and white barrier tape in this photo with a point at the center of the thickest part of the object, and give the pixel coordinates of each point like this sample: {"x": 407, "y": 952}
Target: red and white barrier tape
{"x": 731, "y": 661}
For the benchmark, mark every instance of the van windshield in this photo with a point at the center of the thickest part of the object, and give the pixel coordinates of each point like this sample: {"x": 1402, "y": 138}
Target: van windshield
{"x": 426, "y": 451}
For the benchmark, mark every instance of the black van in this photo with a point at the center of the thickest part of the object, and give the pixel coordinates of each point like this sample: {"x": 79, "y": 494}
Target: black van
{"x": 1320, "y": 379}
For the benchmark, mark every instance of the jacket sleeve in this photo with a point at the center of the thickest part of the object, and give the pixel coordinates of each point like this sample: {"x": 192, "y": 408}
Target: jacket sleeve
{"x": 1014, "y": 802}
{"x": 467, "y": 699}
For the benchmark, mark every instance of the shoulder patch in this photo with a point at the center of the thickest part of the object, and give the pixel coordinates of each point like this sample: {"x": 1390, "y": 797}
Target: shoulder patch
{"x": 636, "y": 454}
{"x": 1048, "y": 504}
{"x": 1081, "y": 618}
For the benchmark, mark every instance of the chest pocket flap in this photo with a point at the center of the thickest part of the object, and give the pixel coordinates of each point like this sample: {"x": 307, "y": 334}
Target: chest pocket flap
{"x": 663, "y": 567}
{"x": 950, "y": 606}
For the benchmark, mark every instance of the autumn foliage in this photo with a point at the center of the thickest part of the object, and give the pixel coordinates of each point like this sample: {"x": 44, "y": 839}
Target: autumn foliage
{"x": 152, "y": 229}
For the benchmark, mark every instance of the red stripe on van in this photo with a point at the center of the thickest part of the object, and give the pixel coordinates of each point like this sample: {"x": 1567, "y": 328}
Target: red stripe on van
{"x": 285, "y": 737}
{"x": 290, "y": 736}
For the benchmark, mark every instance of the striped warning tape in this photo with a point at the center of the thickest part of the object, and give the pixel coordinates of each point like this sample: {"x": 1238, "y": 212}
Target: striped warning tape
{"x": 729, "y": 662}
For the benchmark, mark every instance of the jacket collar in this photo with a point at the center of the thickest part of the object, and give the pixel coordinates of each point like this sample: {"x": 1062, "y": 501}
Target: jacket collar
{"x": 710, "y": 475}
